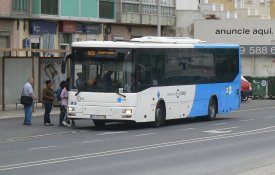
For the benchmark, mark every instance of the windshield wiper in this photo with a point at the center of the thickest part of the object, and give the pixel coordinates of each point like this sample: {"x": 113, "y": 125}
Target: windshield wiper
{"x": 121, "y": 94}
{"x": 78, "y": 91}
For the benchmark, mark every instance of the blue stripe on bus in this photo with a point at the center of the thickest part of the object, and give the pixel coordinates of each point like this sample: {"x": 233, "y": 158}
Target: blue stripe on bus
{"x": 226, "y": 102}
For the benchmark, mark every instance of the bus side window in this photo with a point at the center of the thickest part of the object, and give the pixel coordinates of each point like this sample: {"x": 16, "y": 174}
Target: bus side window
{"x": 144, "y": 77}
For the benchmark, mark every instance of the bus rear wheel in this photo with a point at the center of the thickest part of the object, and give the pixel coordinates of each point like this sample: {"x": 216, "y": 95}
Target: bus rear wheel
{"x": 159, "y": 117}
{"x": 99, "y": 123}
{"x": 212, "y": 109}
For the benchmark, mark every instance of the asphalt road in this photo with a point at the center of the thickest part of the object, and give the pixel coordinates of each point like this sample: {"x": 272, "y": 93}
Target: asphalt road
{"x": 233, "y": 144}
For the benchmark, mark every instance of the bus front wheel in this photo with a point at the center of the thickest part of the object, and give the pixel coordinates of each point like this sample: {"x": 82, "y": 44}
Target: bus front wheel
{"x": 99, "y": 123}
{"x": 212, "y": 109}
{"x": 159, "y": 117}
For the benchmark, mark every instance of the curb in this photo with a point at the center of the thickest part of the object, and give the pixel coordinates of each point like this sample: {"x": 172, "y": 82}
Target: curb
{"x": 10, "y": 114}
{"x": 268, "y": 169}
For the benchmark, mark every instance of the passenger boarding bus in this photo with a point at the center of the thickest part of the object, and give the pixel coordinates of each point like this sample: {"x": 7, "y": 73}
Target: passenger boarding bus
{"x": 152, "y": 79}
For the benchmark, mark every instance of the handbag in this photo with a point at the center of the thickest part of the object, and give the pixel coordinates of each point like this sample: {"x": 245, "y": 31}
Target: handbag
{"x": 26, "y": 100}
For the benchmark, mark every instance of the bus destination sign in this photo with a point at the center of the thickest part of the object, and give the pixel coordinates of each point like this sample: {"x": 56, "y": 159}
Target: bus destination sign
{"x": 101, "y": 53}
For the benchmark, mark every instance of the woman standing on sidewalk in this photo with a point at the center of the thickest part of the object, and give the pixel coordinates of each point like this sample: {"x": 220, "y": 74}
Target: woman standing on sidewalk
{"x": 48, "y": 97}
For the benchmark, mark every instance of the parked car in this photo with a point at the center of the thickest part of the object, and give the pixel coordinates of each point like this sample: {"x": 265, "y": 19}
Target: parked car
{"x": 246, "y": 89}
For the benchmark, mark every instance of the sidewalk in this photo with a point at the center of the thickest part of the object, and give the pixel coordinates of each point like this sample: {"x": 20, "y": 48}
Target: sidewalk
{"x": 12, "y": 112}
{"x": 262, "y": 170}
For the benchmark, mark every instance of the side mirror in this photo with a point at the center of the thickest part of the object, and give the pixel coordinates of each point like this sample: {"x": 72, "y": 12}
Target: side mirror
{"x": 64, "y": 63}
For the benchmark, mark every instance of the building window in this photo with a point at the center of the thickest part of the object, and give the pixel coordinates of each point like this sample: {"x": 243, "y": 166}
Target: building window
{"x": 66, "y": 38}
{"x": 106, "y": 9}
{"x": 49, "y": 7}
{"x": 149, "y": 9}
{"x": 4, "y": 43}
{"x": 20, "y": 6}
{"x": 134, "y": 8}
{"x": 134, "y": 1}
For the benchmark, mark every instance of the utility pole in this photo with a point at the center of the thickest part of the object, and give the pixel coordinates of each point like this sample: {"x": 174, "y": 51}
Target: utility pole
{"x": 159, "y": 18}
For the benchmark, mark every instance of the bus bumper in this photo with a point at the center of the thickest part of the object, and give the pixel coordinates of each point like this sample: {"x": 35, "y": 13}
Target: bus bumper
{"x": 102, "y": 113}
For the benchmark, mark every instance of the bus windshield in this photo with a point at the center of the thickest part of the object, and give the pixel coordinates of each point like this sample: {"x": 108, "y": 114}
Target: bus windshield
{"x": 103, "y": 71}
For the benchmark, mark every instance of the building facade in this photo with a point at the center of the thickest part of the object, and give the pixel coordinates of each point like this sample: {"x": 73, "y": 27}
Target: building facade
{"x": 272, "y": 9}
{"x": 55, "y": 24}
{"x": 251, "y": 9}
{"x": 137, "y": 18}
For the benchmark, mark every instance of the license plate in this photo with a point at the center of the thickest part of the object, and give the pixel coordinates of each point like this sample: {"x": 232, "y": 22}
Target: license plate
{"x": 98, "y": 117}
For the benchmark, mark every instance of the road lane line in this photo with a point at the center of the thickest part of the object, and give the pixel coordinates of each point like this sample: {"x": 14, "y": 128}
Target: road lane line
{"x": 45, "y": 147}
{"x": 255, "y": 109}
{"x": 234, "y": 127}
{"x": 186, "y": 129}
{"x": 110, "y": 133}
{"x": 34, "y": 136}
{"x": 145, "y": 134}
{"x": 135, "y": 149}
{"x": 247, "y": 120}
{"x": 217, "y": 131}
{"x": 270, "y": 116}
{"x": 220, "y": 124}
{"x": 91, "y": 141}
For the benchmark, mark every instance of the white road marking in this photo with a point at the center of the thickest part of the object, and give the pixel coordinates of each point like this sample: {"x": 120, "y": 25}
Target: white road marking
{"x": 91, "y": 141}
{"x": 234, "y": 127}
{"x": 221, "y": 130}
{"x": 217, "y": 131}
{"x": 247, "y": 120}
{"x": 255, "y": 109}
{"x": 34, "y": 136}
{"x": 186, "y": 129}
{"x": 145, "y": 134}
{"x": 110, "y": 133}
{"x": 270, "y": 116}
{"x": 45, "y": 147}
{"x": 220, "y": 124}
{"x": 135, "y": 149}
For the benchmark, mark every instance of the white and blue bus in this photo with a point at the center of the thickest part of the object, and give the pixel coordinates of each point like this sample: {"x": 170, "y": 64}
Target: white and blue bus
{"x": 152, "y": 79}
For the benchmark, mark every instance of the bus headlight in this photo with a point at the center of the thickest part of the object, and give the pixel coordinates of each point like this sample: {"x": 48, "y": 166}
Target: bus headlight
{"x": 71, "y": 109}
{"x": 127, "y": 111}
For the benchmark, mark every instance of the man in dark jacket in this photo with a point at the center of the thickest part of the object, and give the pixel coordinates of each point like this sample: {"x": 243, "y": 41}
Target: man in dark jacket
{"x": 48, "y": 97}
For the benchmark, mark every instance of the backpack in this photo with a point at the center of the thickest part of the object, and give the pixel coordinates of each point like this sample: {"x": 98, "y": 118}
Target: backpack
{"x": 58, "y": 93}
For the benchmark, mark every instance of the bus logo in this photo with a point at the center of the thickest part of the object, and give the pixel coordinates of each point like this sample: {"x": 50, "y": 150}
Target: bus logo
{"x": 178, "y": 93}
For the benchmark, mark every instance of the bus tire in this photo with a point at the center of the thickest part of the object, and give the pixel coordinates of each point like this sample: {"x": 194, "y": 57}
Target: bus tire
{"x": 159, "y": 116}
{"x": 212, "y": 109}
{"x": 99, "y": 123}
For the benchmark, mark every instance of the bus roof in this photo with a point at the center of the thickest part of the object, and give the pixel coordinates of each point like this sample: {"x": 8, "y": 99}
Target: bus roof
{"x": 154, "y": 42}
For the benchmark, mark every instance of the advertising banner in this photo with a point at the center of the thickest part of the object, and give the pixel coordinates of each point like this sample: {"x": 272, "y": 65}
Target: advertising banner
{"x": 242, "y": 32}
{"x": 41, "y": 27}
{"x": 50, "y": 69}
